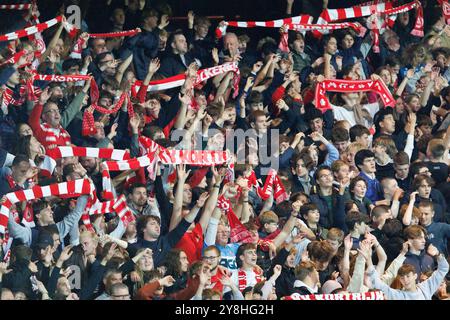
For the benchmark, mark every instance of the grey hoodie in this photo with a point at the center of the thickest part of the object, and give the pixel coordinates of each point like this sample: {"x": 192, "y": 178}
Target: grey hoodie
{"x": 425, "y": 289}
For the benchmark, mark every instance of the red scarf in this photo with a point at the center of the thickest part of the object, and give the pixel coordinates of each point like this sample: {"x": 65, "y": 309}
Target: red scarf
{"x": 239, "y": 233}
{"x": 242, "y": 278}
{"x": 272, "y": 181}
{"x": 303, "y": 19}
{"x": 27, "y": 214}
{"x": 378, "y": 86}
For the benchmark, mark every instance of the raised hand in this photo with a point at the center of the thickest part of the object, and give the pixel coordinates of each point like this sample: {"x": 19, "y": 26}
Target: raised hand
{"x": 4, "y": 268}
{"x": 45, "y": 95}
{"x": 405, "y": 248}
{"x": 277, "y": 270}
{"x": 226, "y": 281}
{"x": 33, "y": 267}
{"x": 432, "y": 251}
{"x": 215, "y": 55}
{"x": 412, "y": 196}
{"x": 164, "y": 21}
{"x": 282, "y": 105}
{"x": 365, "y": 249}
{"x": 181, "y": 172}
{"x": 296, "y": 207}
{"x": 111, "y": 252}
{"x": 66, "y": 254}
{"x": 191, "y": 17}
{"x": 202, "y": 199}
{"x": 134, "y": 123}
{"x": 154, "y": 66}
{"x": 348, "y": 242}
{"x": 167, "y": 281}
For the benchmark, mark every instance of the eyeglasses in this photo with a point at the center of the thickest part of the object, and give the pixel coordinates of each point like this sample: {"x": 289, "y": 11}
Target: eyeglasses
{"x": 52, "y": 111}
{"x": 210, "y": 258}
{"x": 329, "y": 175}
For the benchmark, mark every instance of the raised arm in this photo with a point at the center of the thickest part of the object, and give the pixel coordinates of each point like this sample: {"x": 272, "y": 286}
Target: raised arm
{"x": 407, "y": 217}
{"x": 212, "y": 200}
{"x": 178, "y": 201}
{"x": 289, "y": 226}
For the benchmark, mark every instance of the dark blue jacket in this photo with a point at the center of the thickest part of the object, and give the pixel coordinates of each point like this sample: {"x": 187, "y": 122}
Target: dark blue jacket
{"x": 163, "y": 245}
{"x": 144, "y": 47}
{"x": 328, "y": 219}
{"x": 172, "y": 65}
{"x": 422, "y": 263}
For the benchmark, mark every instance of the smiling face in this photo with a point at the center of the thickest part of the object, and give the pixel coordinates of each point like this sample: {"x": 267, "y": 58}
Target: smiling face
{"x": 408, "y": 281}
{"x": 139, "y": 196}
{"x": 51, "y": 114}
{"x": 25, "y": 130}
{"x": 223, "y": 233}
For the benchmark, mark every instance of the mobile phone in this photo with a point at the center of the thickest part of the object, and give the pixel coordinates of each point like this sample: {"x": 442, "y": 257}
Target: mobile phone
{"x": 34, "y": 284}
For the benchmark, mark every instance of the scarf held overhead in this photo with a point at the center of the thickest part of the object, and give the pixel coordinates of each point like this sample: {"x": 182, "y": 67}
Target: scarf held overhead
{"x": 378, "y": 86}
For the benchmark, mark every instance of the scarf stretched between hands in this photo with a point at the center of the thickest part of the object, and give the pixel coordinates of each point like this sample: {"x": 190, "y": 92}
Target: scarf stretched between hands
{"x": 378, "y": 86}
{"x": 375, "y": 23}
{"x": 202, "y": 75}
{"x": 38, "y": 29}
{"x": 73, "y": 188}
{"x": 302, "y": 19}
{"x": 48, "y": 165}
{"x": 156, "y": 153}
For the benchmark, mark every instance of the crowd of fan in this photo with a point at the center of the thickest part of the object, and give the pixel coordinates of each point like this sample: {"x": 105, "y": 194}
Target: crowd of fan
{"x": 368, "y": 185}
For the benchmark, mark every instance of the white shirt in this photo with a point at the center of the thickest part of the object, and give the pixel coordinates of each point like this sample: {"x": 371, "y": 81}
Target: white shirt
{"x": 341, "y": 113}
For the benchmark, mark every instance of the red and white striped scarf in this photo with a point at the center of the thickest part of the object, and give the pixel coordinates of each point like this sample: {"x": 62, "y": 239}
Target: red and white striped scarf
{"x": 15, "y": 58}
{"x": 27, "y": 214}
{"x": 26, "y": 6}
{"x": 71, "y": 188}
{"x": 242, "y": 278}
{"x": 155, "y": 153}
{"x": 55, "y": 136}
{"x": 202, "y": 75}
{"x": 78, "y": 46}
{"x": 378, "y": 86}
{"x": 373, "y": 295}
{"x": 376, "y": 24}
{"x": 37, "y": 28}
{"x": 118, "y": 205}
{"x": 48, "y": 165}
{"x": 302, "y": 19}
